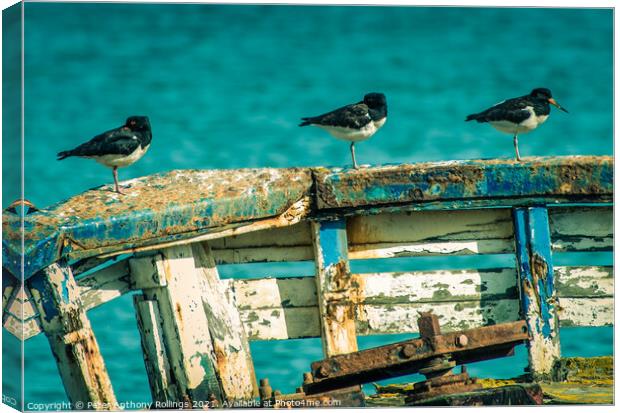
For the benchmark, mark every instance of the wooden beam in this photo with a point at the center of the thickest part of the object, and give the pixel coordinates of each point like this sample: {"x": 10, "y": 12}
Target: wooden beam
{"x": 424, "y": 233}
{"x": 184, "y": 326}
{"x": 589, "y": 312}
{"x": 335, "y": 290}
{"x": 71, "y": 338}
{"x": 537, "y": 290}
{"x": 234, "y": 366}
{"x": 158, "y": 369}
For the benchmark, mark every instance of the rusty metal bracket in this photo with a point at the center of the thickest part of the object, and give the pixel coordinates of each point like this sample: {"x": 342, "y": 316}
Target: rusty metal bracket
{"x": 433, "y": 354}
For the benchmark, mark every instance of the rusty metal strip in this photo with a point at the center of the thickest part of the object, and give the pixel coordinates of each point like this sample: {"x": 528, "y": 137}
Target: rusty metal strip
{"x": 412, "y": 355}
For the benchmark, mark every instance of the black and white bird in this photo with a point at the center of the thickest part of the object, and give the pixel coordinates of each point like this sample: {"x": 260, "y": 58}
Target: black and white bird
{"x": 519, "y": 115}
{"x": 355, "y": 122}
{"x": 118, "y": 147}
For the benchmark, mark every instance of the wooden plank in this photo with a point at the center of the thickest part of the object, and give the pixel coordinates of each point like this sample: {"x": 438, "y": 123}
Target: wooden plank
{"x": 153, "y": 350}
{"x": 303, "y": 322}
{"x": 400, "y": 249}
{"x": 586, "y": 311}
{"x": 453, "y": 316}
{"x": 147, "y": 272}
{"x": 104, "y": 285}
{"x": 418, "y": 286}
{"x": 582, "y": 228}
{"x": 584, "y": 281}
{"x": 77, "y": 354}
{"x": 281, "y": 324}
{"x": 185, "y": 326}
{"x": 335, "y": 290}
{"x": 389, "y": 235}
{"x": 435, "y": 286}
{"x": 234, "y": 368}
{"x": 263, "y": 254}
{"x": 285, "y": 308}
{"x": 274, "y": 292}
{"x": 477, "y": 231}
{"x": 378, "y": 288}
{"x": 537, "y": 290}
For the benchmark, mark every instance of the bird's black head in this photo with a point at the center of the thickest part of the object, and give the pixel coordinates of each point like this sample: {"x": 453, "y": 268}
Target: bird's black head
{"x": 375, "y": 100}
{"x": 541, "y": 93}
{"x": 138, "y": 123}
{"x": 544, "y": 94}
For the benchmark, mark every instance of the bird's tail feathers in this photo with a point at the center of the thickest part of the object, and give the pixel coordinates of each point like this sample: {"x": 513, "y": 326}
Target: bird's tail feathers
{"x": 305, "y": 122}
{"x": 64, "y": 154}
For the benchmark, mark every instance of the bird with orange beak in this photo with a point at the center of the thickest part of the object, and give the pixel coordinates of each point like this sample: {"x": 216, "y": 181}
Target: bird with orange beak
{"x": 519, "y": 115}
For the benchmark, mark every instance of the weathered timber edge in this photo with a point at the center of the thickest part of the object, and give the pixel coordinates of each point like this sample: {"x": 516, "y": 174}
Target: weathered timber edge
{"x": 184, "y": 204}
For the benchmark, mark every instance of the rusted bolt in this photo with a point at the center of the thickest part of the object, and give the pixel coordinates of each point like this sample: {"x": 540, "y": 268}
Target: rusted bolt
{"x": 308, "y": 377}
{"x": 323, "y": 371}
{"x": 461, "y": 340}
{"x": 409, "y": 350}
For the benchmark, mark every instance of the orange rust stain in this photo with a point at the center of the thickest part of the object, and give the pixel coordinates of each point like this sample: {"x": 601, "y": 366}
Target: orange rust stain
{"x": 178, "y": 310}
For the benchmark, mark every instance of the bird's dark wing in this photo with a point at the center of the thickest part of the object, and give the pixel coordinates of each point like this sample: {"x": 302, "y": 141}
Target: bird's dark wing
{"x": 512, "y": 110}
{"x": 119, "y": 141}
{"x": 351, "y": 116}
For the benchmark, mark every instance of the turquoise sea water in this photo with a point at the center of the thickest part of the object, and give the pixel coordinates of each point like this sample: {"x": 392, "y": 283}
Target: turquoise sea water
{"x": 225, "y": 86}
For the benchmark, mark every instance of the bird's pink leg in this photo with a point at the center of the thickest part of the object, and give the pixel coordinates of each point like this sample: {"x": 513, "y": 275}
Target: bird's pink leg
{"x": 353, "y": 154}
{"x": 115, "y": 174}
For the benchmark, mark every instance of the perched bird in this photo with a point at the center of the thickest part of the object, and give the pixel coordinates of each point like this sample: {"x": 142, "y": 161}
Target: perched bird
{"x": 519, "y": 115}
{"x": 355, "y": 122}
{"x": 118, "y": 147}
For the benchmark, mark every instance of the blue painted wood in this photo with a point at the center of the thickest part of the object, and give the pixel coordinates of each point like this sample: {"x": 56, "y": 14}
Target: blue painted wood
{"x": 499, "y": 182}
{"x": 56, "y": 297}
{"x": 334, "y": 285}
{"x": 536, "y": 286}
{"x": 333, "y": 239}
{"x": 182, "y": 204}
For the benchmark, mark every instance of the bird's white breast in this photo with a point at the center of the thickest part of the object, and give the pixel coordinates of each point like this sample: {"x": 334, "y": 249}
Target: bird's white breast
{"x": 354, "y": 135}
{"x": 528, "y": 125}
{"x": 119, "y": 160}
